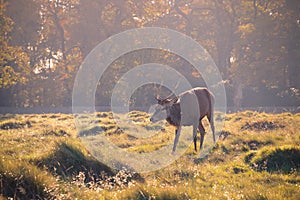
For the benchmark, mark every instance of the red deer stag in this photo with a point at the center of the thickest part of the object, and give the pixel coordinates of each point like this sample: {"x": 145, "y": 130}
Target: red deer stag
{"x": 189, "y": 108}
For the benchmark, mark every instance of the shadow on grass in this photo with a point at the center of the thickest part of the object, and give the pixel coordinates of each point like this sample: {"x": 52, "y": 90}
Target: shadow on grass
{"x": 93, "y": 131}
{"x": 200, "y": 160}
{"x": 67, "y": 161}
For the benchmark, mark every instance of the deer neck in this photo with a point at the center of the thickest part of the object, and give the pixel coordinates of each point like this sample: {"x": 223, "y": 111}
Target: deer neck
{"x": 173, "y": 113}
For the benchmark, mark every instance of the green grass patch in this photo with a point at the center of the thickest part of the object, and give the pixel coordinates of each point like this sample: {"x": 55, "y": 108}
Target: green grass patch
{"x": 256, "y": 157}
{"x": 283, "y": 159}
{"x": 146, "y": 148}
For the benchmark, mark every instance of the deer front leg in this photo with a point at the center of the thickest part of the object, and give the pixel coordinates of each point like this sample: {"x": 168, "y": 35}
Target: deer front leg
{"x": 177, "y": 134}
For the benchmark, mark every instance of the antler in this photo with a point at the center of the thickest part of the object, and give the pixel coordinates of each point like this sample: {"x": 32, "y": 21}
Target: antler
{"x": 158, "y": 89}
{"x": 169, "y": 97}
{"x": 175, "y": 98}
{"x": 158, "y": 98}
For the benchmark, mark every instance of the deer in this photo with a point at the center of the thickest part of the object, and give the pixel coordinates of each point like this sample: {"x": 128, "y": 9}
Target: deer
{"x": 187, "y": 109}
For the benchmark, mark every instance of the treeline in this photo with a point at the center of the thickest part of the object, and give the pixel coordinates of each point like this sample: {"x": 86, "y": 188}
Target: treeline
{"x": 254, "y": 43}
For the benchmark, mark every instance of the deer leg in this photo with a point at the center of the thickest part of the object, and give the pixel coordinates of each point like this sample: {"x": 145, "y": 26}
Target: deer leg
{"x": 177, "y": 133}
{"x": 195, "y": 135}
{"x": 195, "y": 143}
{"x": 210, "y": 118}
{"x": 202, "y": 133}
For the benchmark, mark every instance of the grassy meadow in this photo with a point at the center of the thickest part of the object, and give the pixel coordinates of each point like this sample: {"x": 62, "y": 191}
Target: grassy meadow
{"x": 257, "y": 156}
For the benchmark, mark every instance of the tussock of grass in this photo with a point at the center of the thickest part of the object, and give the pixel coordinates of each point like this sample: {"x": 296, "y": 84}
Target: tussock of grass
{"x": 68, "y": 160}
{"x": 262, "y": 126}
{"x": 21, "y": 180}
{"x": 57, "y": 133}
{"x": 285, "y": 159}
{"x": 15, "y": 125}
{"x": 108, "y": 115}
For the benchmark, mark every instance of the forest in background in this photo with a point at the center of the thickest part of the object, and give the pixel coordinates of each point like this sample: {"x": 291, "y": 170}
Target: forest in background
{"x": 254, "y": 43}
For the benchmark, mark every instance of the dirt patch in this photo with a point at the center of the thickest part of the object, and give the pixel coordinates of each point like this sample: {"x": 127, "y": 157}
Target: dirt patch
{"x": 262, "y": 126}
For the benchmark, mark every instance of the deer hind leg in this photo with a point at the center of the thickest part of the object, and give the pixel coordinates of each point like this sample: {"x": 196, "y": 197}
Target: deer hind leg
{"x": 195, "y": 134}
{"x": 202, "y": 133}
{"x": 210, "y": 118}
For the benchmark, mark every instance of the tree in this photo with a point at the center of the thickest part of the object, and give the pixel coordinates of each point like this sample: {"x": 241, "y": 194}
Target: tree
{"x": 14, "y": 62}
{"x": 254, "y": 43}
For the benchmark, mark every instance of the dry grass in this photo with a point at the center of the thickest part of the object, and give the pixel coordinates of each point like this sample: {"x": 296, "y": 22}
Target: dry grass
{"x": 256, "y": 157}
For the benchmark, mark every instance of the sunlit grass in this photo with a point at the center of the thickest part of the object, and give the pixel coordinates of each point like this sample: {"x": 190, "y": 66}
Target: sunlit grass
{"x": 42, "y": 157}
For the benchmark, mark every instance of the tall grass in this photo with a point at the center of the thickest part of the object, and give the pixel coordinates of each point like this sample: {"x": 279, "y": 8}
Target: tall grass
{"x": 256, "y": 157}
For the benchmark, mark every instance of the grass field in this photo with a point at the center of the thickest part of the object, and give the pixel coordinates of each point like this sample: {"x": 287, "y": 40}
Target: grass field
{"x": 257, "y": 156}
